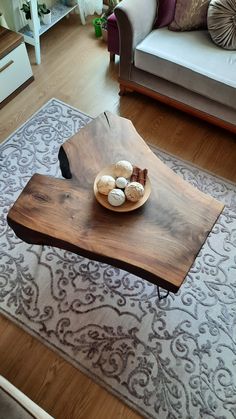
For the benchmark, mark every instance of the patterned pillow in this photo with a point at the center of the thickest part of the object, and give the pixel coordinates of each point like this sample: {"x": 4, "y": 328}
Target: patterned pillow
{"x": 221, "y": 20}
{"x": 189, "y": 15}
{"x": 166, "y": 12}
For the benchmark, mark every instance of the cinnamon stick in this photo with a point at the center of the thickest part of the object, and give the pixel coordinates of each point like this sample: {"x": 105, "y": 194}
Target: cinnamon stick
{"x": 134, "y": 176}
{"x": 142, "y": 176}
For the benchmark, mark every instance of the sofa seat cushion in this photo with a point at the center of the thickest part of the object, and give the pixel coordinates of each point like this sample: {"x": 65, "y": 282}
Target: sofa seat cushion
{"x": 191, "y": 60}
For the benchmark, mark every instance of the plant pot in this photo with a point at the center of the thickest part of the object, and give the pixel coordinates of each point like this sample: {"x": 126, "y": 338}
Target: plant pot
{"x": 47, "y": 18}
{"x": 97, "y": 27}
{"x": 30, "y": 24}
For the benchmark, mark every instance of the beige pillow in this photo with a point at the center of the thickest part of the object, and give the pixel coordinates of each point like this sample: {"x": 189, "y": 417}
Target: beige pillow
{"x": 189, "y": 15}
{"x": 221, "y": 21}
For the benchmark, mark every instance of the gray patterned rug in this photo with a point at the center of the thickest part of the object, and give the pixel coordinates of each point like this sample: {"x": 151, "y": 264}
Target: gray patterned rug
{"x": 174, "y": 358}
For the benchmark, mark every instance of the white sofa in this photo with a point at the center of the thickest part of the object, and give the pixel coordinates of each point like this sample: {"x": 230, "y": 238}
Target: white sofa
{"x": 184, "y": 69}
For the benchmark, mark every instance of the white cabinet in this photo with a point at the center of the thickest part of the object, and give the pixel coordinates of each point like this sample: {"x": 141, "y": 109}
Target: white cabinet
{"x": 15, "y": 69}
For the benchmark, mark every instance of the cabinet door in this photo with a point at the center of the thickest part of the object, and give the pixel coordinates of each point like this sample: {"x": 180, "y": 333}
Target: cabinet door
{"x": 15, "y": 69}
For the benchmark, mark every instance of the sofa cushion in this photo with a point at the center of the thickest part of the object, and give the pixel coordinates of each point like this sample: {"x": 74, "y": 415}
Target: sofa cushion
{"x": 112, "y": 20}
{"x": 221, "y": 21}
{"x": 189, "y": 15}
{"x": 191, "y": 60}
{"x": 166, "y": 12}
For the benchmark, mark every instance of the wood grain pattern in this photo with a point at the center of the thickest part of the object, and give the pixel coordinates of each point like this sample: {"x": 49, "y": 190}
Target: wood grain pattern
{"x": 126, "y": 87}
{"x": 9, "y": 40}
{"x": 158, "y": 242}
{"x": 85, "y": 79}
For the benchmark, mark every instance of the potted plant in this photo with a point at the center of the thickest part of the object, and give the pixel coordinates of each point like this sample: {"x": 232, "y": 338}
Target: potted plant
{"x": 97, "y": 23}
{"x": 27, "y": 11}
{"x": 46, "y": 15}
{"x": 100, "y": 23}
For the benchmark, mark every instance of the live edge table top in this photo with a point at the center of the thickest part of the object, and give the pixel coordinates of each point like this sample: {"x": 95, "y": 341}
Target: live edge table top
{"x": 158, "y": 242}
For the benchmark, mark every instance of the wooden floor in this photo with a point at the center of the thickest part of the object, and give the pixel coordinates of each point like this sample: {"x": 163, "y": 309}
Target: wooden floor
{"x": 75, "y": 68}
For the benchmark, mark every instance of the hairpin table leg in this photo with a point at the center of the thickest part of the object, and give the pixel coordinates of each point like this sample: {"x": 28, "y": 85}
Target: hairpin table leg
{"x": 161, "y": 297}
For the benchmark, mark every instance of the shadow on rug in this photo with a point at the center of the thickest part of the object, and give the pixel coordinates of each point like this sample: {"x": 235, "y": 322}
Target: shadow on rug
{"x": 174, "y": 358}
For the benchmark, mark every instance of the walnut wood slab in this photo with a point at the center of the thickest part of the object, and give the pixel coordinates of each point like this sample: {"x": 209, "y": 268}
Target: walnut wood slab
{"x": 158, "y": 242}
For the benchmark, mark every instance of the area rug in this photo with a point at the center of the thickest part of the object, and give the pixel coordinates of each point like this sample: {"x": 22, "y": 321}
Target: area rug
{"x": 174, "y": 358}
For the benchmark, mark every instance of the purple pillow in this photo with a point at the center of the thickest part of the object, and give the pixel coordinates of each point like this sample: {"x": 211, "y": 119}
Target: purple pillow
{"x": 166, "y": 13}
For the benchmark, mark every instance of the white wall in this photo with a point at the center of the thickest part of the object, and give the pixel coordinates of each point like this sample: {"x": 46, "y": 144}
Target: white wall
{"x": 6, "y": 8}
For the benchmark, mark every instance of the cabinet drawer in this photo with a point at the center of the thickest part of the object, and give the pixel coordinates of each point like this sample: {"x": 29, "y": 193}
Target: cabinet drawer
{"x": 15, "y": 69}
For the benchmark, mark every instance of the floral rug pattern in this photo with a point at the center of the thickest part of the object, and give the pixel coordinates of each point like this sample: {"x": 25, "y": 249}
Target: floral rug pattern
{"x": 174, "y": 358}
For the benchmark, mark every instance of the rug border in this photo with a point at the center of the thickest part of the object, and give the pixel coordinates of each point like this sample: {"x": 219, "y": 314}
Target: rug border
{"x": 191, "y": 164}
{"x": 35, "y": 113}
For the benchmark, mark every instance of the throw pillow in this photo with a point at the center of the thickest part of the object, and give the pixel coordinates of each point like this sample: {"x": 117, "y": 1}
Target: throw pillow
{"x": 189, "y": 15}
{"x": 221, "y": 20}
{"x": 166, "y": 12}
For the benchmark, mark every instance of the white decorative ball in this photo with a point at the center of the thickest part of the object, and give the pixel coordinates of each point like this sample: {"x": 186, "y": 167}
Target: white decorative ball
{"x": 116, "y": 197}
{"x": 134, "y": 191}
{"x": 121, "y": 182}
{"x": 123, "y": 168}
{"x": 105, "y": 184}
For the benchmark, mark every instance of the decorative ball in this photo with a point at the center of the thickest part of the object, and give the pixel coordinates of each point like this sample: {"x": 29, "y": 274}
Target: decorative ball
{"x": 123, "y": 168}
{"x": 121, "y": 182}
{"x": 134, "y": 191}
{"x": 116, "y": 197}
{"x": 105, "y": 184}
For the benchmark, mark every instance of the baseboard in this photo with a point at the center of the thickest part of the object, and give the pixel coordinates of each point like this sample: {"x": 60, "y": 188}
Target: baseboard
{"x": 129, "y": 86}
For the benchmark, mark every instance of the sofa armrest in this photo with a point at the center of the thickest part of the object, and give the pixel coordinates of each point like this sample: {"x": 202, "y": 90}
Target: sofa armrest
{"x": 15, "y": 404}
{"x": 135, "y": 20}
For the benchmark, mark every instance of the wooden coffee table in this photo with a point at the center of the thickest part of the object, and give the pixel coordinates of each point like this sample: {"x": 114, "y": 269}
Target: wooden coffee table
{"x": 158, "y": 242}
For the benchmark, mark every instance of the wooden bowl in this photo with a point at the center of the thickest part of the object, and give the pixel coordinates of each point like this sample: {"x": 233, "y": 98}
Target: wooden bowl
{"x": 128, "y": 205}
